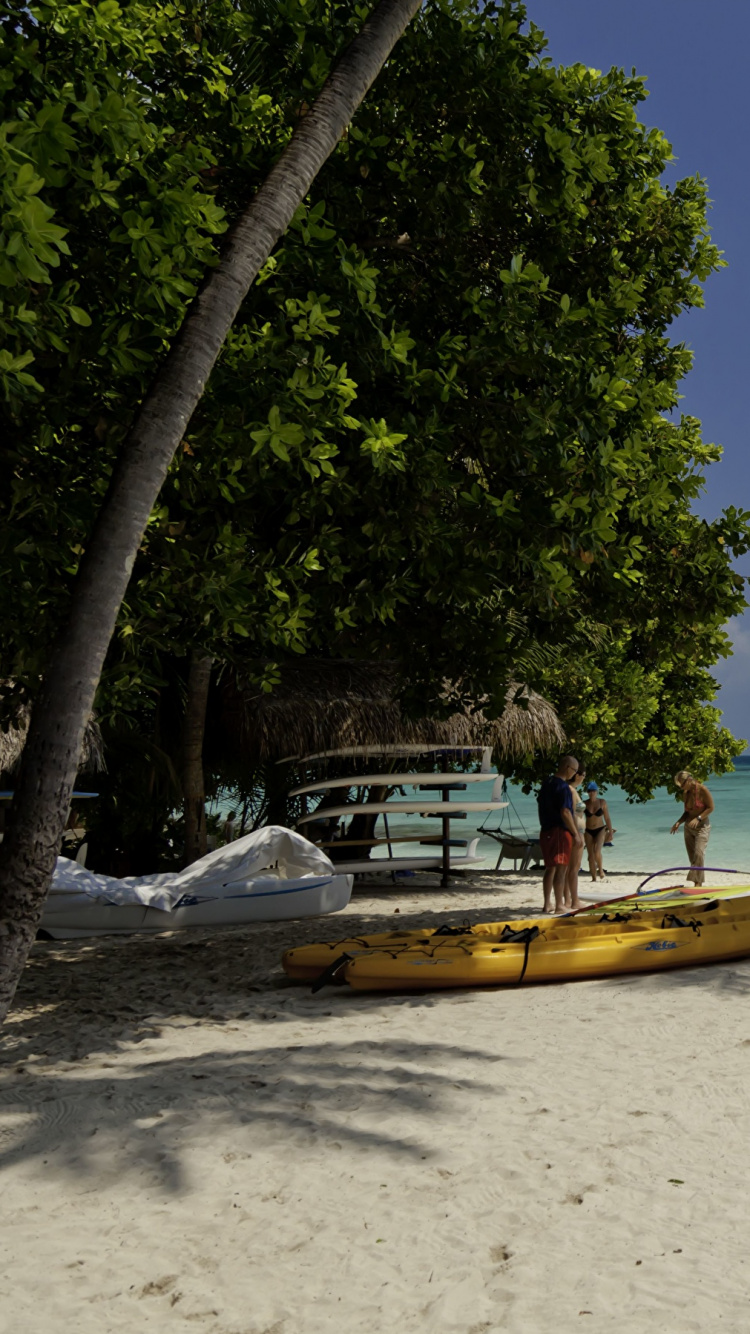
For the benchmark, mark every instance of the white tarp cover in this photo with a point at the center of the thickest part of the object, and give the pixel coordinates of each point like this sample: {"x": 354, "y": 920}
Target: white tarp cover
{"x": 271, "y": 851}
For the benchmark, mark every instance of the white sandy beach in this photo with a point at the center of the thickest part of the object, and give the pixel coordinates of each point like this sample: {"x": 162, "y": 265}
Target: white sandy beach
{"x": 191, "y": 1143}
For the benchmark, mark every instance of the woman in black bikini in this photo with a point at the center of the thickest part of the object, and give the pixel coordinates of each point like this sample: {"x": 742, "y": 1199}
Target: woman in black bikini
{"x": 598, "y": 824}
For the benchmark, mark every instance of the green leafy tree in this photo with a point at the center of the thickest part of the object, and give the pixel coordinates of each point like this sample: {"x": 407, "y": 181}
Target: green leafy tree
{"x": 526, "y": 241}
{"x": 453, "y": 389}
{"x": 474, "y": 307}
{"x": 488, "y": 269}
{"x": 55, "y": 736}
{"x": 518, "y": 263}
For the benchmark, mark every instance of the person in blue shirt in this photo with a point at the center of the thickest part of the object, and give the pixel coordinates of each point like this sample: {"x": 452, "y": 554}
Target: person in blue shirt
{"x": 559, "y": 831}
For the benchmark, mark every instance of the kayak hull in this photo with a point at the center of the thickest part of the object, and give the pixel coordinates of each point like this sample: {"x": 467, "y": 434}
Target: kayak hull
{"x": 562, "y": 949}
{"x": 557, "y": 958}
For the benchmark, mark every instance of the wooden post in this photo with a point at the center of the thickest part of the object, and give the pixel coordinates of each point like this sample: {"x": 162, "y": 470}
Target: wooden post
{"x": 445, "y": 879}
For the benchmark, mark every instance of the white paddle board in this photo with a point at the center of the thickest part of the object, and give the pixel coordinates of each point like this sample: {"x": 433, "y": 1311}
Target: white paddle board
{"x": 402, "y": 808}
{"x": 394, "y": 780}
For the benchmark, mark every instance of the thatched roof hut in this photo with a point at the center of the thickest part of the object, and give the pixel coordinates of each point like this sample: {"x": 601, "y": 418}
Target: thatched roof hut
{"x": 321, "y": 705}
{"x": 13, "y": 737}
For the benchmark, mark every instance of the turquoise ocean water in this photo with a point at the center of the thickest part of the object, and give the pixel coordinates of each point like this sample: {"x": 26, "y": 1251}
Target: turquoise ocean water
{"x": 642, "y": 841}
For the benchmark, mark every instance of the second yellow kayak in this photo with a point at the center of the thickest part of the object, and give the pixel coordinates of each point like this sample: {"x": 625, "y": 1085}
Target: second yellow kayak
{"x": 541, "y": 950}
{"x": 307, "y": 962}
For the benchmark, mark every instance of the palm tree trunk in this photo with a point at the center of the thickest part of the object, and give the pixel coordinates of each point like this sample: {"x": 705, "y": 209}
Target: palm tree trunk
{"x": 194, "y": 727}
{"x": 53, "y": 747}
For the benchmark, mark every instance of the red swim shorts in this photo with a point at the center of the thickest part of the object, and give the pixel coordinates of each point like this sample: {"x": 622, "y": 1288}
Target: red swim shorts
{"x": 556, "y": 846}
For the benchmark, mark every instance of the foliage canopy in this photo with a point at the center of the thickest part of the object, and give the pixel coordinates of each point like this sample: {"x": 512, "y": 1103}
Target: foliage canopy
{"x": 444, "y": 428}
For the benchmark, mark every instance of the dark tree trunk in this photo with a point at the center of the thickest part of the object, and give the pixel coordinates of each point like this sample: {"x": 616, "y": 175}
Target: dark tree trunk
{"x": 53, "y": 747}
{"x": 193, "y": 732}
{"x": 276, "y": 795}
{"x": 363, "y": 826}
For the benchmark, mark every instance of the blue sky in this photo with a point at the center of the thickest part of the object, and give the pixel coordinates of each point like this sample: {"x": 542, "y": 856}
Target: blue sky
{"x": 695, "y": 57}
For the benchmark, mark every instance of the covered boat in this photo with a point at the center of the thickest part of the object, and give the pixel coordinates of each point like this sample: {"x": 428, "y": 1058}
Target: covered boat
{"x": 270, "y": 875}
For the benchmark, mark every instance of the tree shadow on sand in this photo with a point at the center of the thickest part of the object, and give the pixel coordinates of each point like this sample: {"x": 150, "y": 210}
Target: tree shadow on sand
{"x": 92, "y": 996}
{"x": 143, "y": 1117}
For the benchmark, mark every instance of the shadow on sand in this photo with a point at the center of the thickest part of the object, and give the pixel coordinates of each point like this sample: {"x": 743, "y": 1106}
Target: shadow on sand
{"x": 141, "y": 1116}
{"x": 87, "y": 996}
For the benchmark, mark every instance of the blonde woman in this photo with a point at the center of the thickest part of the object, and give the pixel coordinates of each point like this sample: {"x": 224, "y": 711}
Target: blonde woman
{"x": 696, "y": 819}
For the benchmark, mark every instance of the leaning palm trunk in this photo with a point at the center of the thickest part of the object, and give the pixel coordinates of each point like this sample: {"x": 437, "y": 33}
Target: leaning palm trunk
{"x": 51, "y": 755}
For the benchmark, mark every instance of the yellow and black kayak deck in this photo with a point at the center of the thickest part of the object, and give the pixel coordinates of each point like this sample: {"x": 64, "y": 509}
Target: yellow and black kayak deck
{"x": 544, "y": 949}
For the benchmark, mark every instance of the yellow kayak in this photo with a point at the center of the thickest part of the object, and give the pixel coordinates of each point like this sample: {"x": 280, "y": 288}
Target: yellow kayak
{"x": 307, "y": 962}
{"x": 541, "y": 950}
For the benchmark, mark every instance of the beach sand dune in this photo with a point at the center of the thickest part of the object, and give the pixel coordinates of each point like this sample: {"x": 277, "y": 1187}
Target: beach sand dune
{"x": 190, "y": 1143}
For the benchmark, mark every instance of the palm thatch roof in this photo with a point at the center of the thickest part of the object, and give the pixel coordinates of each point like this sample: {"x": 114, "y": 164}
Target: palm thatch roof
{"x": 320, "y": 705}
{"x": 13, "y": 737}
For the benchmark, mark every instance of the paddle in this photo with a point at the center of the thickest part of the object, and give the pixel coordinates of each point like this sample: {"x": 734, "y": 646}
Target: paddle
{"x": 607, "y": 903}
{"x": 697, "y": 890}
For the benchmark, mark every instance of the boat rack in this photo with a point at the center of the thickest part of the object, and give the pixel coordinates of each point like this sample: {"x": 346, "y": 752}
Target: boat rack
{"x": 441, "y": 805}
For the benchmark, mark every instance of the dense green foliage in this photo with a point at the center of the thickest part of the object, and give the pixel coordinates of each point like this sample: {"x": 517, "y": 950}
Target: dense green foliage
{"x": 635, "y": 718}
{"x": 445, "y": 425}
{"x": 118, "y": 117}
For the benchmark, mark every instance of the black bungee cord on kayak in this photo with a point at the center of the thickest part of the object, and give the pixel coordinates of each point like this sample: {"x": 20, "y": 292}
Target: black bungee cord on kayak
{"x": 446, "y": 930}
{"x": 525, "y": 937}
{"x": 329, "y": 974}
{"x": 670, "y": 921}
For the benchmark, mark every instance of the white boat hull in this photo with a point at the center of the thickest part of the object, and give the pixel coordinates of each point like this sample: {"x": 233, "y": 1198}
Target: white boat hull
{"x": 264, "y": 899}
